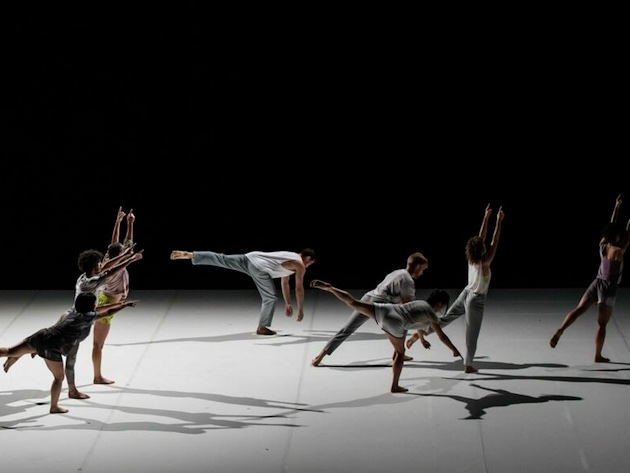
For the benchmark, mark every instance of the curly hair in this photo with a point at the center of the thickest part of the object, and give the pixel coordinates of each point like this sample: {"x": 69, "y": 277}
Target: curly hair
{"x": 88, "y": 260}
{"x": 475, "y": 249}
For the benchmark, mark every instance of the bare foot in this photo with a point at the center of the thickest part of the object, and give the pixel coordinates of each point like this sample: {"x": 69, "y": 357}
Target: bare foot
{"x": 425, "y": 343}
{"x": 470, "y": 369}
{"x": 555, "y": 339}
{"x": 58, "y": 410}
{"x": 9, "y": 363}
{"x": 601, "y": 359}
{"x": 319, "y": 284}
{"x": 77, "y": 395}
{"x": 399, "y": 389}
{"x": 103, "y": 380}
{"x": 407, "y": 358}
{"x": 318, "y": 359}
{"x": 411, "y": 340}
{"x": 300, "y": 317}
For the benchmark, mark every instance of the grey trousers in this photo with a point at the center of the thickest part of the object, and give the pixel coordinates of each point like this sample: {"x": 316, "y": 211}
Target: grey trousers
{"x": 354, "y": 322}
{"x": 471, "y": 305}
{"x": 264, "y": 282}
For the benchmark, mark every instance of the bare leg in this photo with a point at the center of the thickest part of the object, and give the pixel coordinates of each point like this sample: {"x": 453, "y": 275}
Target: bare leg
{"x": 10, "y": 361}
{"x": 71, "y": 359}
{"x": 365, "y": 308}
{"x": 14, "y": 353}
{"x": 603, "y": 317}
{"x": 405, "y": 357}
{"x": 582, "y": 307}
{"x": 397, "y": 365}
{"x": 56, "y": 368}
{"x": 100, "y": 333}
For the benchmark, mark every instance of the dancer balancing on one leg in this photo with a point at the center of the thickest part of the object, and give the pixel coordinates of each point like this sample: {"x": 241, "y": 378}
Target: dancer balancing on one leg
{"x": 58, "y": 340}
{"x": 603, "y": 290}
{"x": 397, "y": 286}
{"x": 396, "y": 319}
{"x": 263, "y": 267}
{"x": 472, "y": 300}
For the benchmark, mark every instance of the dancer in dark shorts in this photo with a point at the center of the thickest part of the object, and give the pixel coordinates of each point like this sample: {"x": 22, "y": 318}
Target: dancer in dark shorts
{"x": 58, "y": 340}
{"x": 603, "y": 289}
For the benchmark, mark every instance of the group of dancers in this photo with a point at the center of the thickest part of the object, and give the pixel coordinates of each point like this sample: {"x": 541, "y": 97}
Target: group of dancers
{"x": 101, "y": 291}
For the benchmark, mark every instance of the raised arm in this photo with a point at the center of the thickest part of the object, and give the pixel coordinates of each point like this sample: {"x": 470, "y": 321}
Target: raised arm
{"x": 116, "y": 233}
{"x": 489, "y": 256}
{"x": 131, "y": 218}
{"x": 615, "y": 213}
{"x": 483, "y": 231}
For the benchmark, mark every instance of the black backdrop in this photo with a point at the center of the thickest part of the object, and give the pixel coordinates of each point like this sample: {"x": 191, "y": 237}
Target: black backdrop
{"x": 366, "y": 135}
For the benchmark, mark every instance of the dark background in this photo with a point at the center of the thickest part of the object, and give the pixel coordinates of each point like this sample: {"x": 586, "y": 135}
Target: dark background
{"x": 365, "y": 134}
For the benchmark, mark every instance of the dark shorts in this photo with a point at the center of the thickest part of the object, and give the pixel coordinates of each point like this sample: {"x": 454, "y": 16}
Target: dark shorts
{"x": 602, "y": 291}
{"x": 47, "y": 345}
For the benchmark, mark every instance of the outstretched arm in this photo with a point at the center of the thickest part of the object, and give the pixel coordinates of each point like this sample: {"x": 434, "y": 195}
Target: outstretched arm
{"x": 121, "y": 263}
{"x": 105, "y": 310}
{"x": 444, "y": 338}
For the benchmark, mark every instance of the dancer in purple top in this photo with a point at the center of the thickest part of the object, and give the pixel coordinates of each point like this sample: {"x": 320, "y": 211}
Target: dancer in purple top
{"x": 603, "y": 289}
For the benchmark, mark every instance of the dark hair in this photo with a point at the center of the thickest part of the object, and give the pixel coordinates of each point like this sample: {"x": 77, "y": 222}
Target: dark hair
{"x": 475, "y": 249}
{"x": 417, "y": 259}
{"x": 438, "y": 296}
{"x": 308, "y": 252}
{"x": 612, "y": 232}
{"x": 114, "y": 249}
{"x": 85, "y": 302}
{"x": 88, "y": 260}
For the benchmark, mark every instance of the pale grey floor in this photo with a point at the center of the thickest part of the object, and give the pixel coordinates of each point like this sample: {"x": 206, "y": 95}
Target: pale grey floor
{"x": 196, "y": 391}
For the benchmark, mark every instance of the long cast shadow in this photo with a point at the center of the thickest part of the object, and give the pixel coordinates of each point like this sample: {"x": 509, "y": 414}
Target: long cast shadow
{"x": 477, "y": 408}
{"x": 189, "y": 422}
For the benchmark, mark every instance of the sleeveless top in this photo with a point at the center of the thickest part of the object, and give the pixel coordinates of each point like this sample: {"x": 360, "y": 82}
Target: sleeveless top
{"x": 271, "y": 262}
{"x": 477, "y": 282}
{"x": 609, "y": 270}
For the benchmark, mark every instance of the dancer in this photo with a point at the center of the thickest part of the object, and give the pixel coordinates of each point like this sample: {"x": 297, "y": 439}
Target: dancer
{"x": 397, "y": 287}
{"x": 603, "y": 289}
{"x": 471, "y": 301}
{"x": 396, "y": 319}
{"x": 95, "y": 274}
{"x": 115, "y": 289}
{"x": 263, "y": 268}
{"x": 53, "y": 342}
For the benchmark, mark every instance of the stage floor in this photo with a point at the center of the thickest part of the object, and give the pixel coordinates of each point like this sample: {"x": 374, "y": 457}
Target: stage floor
{"x": 197, "y": 391}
